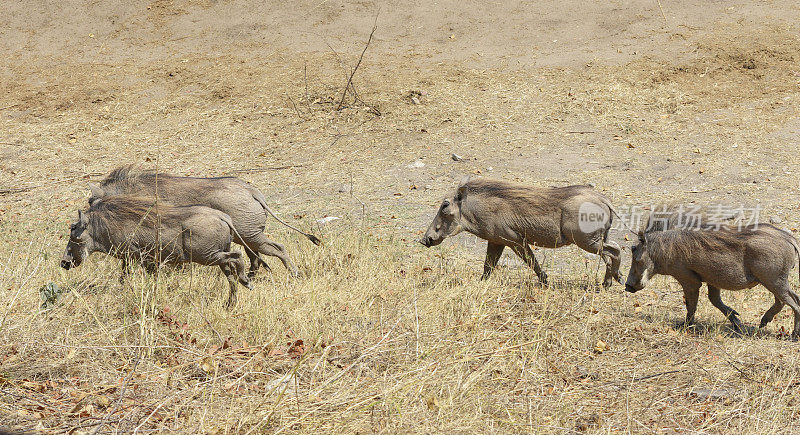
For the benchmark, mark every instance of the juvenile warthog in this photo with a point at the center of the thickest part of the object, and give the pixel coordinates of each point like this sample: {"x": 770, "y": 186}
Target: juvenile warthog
{"x": 724, "y": 259}
{"x": 518, "y": 216}
{"x": 128, "y": 227}
{"x": 244, "y": 203}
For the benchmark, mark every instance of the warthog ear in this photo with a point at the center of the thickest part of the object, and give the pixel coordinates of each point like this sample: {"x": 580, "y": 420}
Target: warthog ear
{"x": 82, "y": 218}
{"x": 96, "y": 190}
{"x": 461, "y": 192}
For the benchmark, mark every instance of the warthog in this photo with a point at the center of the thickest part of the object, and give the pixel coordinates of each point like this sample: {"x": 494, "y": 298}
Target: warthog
{"x": 725, "y": 259}
{"x": 244, "y": 203}
{"x": 128, "y": 227}
{"x": 518, "y": 216}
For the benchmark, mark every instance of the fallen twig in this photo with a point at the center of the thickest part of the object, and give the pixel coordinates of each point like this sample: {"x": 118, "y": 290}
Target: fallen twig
{"x": 271, "y": 168}
{"x": 17, "y": 190}
{"x": 662, "y": 13}
{"x": 121, "y": 395}
{"x": 299, "y": 115}
{"x": 36, "y": 186}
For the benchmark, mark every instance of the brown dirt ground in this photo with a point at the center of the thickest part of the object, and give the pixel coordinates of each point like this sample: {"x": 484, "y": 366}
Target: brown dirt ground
{"x": 701, "y": 104}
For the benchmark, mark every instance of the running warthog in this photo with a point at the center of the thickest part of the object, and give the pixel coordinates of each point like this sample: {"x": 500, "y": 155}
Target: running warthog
{"x": 128, "y": 227}
{"x": 518, "y": 216}
{"x": 725, "y": 259}
{"x": 244, "y": 203}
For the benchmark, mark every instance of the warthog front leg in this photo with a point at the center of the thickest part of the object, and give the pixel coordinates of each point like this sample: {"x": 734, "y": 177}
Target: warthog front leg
{"x": 526, "y": 254}
{"x": 776, "y": 308}
{"x": 124, "y": 270}
{"x": 493, "y": 253}
{"x": 731, "y": 314}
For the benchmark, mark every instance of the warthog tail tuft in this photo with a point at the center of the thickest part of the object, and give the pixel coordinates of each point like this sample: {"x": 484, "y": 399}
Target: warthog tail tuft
{"x": 260, "y": 198}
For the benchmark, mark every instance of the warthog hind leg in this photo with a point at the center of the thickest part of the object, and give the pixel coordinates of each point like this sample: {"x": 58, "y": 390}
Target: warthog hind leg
{"x": 526, "y": 254}
{"x": 255, "y": 262}
{"x": 262, "y": 245}
{"x": 691, "y": 292}
{"x": 233, "y": 267}
{"x": 776, "y": 308}
{"x": 238, "y": 265}
{"x": 493, "y": 253}
{"x": 784, "y": 291}
{"x": 611, "y": 257}
{"x": 731, "y": 314}
{"x": 227, "y": 269}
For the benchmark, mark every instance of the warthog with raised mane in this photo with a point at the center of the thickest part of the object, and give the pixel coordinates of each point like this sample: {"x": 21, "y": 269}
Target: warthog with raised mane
{"x": 128, "y": 227}
{"x": 243, "y": 202}
{"x": 517, "y": 216}
{"x": 725, "y": 259}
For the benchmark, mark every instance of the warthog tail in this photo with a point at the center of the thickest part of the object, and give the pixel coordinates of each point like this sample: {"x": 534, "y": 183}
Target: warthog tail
{"x": 227, "y": 220}
{"x": 611, "y": 218}
{"x": 260, "y": 198}
{"x": 797, "y": 251}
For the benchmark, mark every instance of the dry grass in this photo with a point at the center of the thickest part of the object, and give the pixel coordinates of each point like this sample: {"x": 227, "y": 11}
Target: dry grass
{"x": 375, "y": 338}
{"x": 379, "y": 334}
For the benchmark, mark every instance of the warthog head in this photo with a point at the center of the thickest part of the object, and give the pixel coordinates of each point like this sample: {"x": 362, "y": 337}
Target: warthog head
{"x": 642, "y": 266}
{"x": 79, "y": 243}
{"x": 446, "y": 223}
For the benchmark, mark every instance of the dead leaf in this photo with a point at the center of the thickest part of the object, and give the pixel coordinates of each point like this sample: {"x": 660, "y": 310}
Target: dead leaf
{"x": 207, "y": 365}
{"x": 102, "y": 401}
{"x": 433, "y": 403}
{"x": 601, "y": 346}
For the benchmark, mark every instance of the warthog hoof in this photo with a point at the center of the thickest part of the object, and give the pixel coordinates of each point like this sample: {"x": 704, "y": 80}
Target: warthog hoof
{"x": 737, "y": 326}
{"x": 230, "y": 303}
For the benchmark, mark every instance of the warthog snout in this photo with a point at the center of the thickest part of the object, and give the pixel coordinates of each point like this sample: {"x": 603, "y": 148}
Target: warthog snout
{"x": 426, "y": 242}
{"x": 66, "y": 264}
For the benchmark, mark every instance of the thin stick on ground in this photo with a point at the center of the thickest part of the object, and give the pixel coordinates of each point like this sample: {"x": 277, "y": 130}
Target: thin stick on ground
{"x": 350, "y": 79}
{"x": 295, "y": 108}
{"x": 662, "y": 12}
